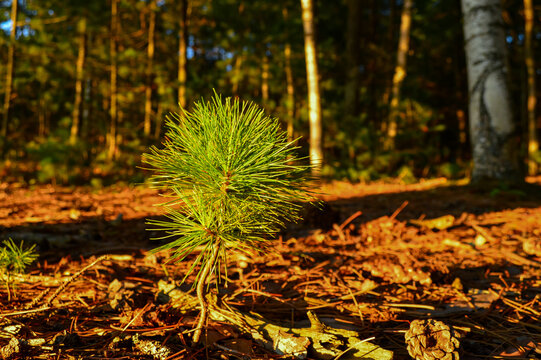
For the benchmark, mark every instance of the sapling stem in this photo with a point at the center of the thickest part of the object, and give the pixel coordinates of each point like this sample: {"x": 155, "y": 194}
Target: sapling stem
{"x": 201, "y": 286}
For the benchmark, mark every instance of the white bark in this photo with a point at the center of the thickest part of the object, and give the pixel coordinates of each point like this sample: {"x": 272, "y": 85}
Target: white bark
{"x": 492, "y": 126}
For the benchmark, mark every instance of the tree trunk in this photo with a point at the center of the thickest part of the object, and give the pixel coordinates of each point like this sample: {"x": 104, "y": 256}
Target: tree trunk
{"x": 182, "y": 54}
{"x": 492, "y": 127}
{"x": 79, "y": 78}
{"x": 42, "y": 118}
{"x": 352, "y": 57}
{"x": 290, "y": 86}
{"x": 265, "y": 78}
{"x": 9, "y": 68}
{"x": 314, "y": 104}
{"x": 399, "y": 73}
{"x": 113, "y": 113}
{"x": 159, "y": 117}
{"x": 460, "y": 98}
{"x": 149, "y": 72}
{"x": 237, "y": 75}
{"x": 90, "y": 96}
{"x": 533, "y": 143}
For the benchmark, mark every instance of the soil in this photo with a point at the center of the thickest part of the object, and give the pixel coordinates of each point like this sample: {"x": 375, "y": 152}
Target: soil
{"x": 373, "y": 259}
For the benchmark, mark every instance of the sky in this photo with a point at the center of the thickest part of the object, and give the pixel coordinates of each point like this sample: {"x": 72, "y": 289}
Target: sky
{"x": 6, "y": 25}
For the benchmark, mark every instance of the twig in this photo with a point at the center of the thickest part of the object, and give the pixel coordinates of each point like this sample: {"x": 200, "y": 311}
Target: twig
{"x": 135, "y": 317}
{"x": 397, "y": 211}
{"x": 38, "y": 298}
{"x": 71, "y": 279}
{"x": 353, "y": 347}
{"x": 350, "y": 219}
{"x": 23, "y": 312}
{"x": 416, "y": 306}
{"x": 233, "y": 352}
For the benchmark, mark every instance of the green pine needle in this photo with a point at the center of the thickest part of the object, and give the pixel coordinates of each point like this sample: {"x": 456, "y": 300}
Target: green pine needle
{"x": 15, "y": 258}
{"x": 233, "y": 178}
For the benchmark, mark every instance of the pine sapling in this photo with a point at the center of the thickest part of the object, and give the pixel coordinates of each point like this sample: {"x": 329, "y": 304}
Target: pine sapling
{"x": 15, "y": 259}
{"x": 233, "y": 179}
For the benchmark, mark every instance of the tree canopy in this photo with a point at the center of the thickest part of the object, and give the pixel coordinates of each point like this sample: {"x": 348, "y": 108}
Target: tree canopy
{"x": 253, "y": 50}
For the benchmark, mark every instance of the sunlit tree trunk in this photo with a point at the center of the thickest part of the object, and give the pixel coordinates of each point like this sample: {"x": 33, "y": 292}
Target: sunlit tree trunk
{"x": 182, "y": 51}
{"x": 492, "y": 127}
{"x": 149, "y": 71}
{"x": 265, "y": 78}
{"x": 113, "y": 111}
{"x": 9, "y": 68}
{"x": 352, "y": 56}
{"x": 314, "y": 104}
{"x": 79, "y": 78}
{"x": 399, "y": 73}
{"x": 290, "y": 86}
{"x": 533, "y": 143}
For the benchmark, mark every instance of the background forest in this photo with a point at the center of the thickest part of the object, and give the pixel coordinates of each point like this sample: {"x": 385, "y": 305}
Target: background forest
{"x": 86, "y": 85}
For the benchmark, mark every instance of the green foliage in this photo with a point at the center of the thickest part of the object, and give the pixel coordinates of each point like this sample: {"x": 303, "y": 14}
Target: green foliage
{"x": 227, "y": 43}
{"x": 56, "y": 160}
{"x": 15, "y": 259}
{"x": 233, "y": 176}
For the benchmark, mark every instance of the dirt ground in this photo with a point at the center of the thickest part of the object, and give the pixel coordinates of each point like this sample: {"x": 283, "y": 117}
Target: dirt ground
{"x": 379, "y": 259}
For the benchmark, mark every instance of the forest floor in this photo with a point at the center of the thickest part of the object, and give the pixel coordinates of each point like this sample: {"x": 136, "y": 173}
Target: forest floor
{"x": 378, "y": 257}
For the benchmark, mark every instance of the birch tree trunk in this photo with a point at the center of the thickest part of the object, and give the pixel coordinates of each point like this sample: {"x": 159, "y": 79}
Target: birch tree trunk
{"x": 314, "y": 101}
{"x": 149, "y": 73}
{"x": 492, "y": 127}
{"x": 79, "y": 78}
{"x": 182, "y": 52}
{"x": 399, "y": 73}
{"x": 9, "y": 68}
{"x": 533, "y": 143}
{"x": 113, "y": 111}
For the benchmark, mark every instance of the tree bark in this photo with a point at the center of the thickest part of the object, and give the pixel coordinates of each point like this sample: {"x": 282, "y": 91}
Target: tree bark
{"x": 182, "y": 51}
{"x": 314, "y": 101}
{"x": 492, "y": 124}
{"x": 237, "y": 75}
{"x": 79, "y": 79}
{"x": 265, "y": 78}
{"x": 149, "y": 71}
{"x": 399, "y": 73}
{"x": 113, "y": 111}
{"x": 352, "y": 57}
{"x": 9, "y": 68}
{"x": 533, "y": 143}
{"x": 290, "y": 86}
{"x": 42, "y": 118}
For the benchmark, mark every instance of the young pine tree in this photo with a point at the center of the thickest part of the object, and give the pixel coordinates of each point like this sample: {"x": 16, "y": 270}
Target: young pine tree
{"x": 234, "y": 180}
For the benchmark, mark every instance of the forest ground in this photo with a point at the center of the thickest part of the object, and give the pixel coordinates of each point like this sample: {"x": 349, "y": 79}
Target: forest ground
{"x": 376, "y": 258}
